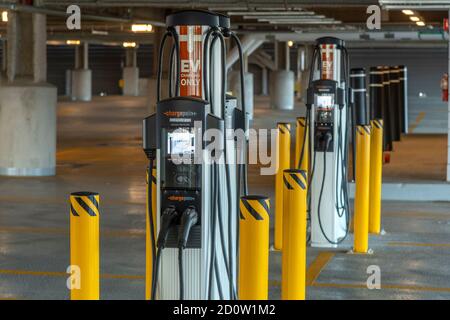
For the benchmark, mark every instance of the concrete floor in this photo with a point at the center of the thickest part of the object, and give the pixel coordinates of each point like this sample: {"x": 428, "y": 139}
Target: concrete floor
{"x": 99, "y": 150}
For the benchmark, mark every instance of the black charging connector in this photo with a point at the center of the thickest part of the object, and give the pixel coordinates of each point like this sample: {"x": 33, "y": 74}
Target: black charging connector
{"x": 168, "y": 218}
{"x": 188, "y": 219}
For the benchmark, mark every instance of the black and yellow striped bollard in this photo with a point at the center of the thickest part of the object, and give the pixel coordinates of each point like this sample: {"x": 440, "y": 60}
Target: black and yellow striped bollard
{"x": 149, "y": 249}
{"x": 254, "y": 248}
{"x": 376, "y": 163}
{"x": 362, "y": 184}
{"x": 302, "y": 144}
{"x": 293, "y": 265}
{"x": 283, "y": 157}
{"x": 85, "y": 244}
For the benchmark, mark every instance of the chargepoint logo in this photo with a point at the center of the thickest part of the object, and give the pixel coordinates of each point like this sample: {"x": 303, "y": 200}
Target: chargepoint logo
{"x": 73, "y": 21}
{"x": 74, "y": 279}
{"x": 191, "y": 147}
{"x": 374, "y": 20}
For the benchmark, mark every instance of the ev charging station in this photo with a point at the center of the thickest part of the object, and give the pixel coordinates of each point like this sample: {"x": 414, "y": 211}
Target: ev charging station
{"x": 328, "y": 114}
{"x": 195, "y": 243}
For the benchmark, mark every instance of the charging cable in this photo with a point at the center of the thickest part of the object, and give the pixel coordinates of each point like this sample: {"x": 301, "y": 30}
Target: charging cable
{"x": 188, "y": 219}
{"x": 168, "y": 218}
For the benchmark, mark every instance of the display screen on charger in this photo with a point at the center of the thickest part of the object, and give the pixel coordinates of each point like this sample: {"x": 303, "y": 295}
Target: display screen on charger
{"x": 324, "y": 101}
{"x": 181, "y": 141}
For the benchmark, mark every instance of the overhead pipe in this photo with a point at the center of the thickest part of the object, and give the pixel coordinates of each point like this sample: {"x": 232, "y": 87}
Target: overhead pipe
{"x": 249, "y": 45}
{"x": 256, "y": 44}
{"x": 264, "y": 61}
{"x": 224, "y": 4}
{"x": 51, "y": 12}
{"x": 415, "y": 4}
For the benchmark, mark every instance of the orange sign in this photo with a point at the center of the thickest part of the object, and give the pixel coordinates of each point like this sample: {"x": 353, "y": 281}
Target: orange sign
{"x": 327, "y": 61}
{"x": 190, "y": 38}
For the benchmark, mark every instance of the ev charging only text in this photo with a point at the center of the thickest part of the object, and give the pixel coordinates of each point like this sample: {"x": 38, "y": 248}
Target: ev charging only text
{"x": 224, "y": 309}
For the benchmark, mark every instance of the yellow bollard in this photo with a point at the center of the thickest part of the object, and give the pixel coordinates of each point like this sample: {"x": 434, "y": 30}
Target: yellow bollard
{"x": 148, "y": 241}
{"x": 283, "y": 156}
{"x": 293, "y": 265}
{"x": 376, "y": 161}
{"x": 84, "y": 244}
{"x": 254, "y": 248}
{"x": 362, "y": 183}
{"x": 302, "y": 145}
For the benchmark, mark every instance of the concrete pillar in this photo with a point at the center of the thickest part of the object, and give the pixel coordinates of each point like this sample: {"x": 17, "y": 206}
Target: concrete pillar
{"x": 131, "y": 81}
{"x": 448, "y": 134}
{"x": 3, "y": 72}
{"x": 304, "y": 73}
{"x": 27, "y": 102}
{"x": 4, "y": 54}
{"x": 68, "y": 88}
{"x": 131, "y": 73}
{"x": 82, "y": 75}
{"x": 82, "y": 84}
{"x": 130, "y": 57}
{"x": 265, "y": 82}
{"x": 235, "y": 87}
{"x": 282, "y": 81}
{"x": 300, "y": 67}
{"x": 282, "y": 56}
{"x": 282, "y": 90}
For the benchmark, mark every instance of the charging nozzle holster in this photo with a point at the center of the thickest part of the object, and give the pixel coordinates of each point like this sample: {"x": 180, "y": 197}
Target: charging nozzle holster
{"x": 188, "y": 219}
{"x": 150, "y": 136}
{"x": 168, "y": 218}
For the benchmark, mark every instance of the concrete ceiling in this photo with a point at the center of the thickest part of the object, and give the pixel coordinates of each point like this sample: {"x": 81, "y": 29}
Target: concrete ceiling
{"x": 113, "y": 18}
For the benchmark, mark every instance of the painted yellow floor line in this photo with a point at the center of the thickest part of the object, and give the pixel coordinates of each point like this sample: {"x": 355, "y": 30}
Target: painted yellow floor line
{"x": 64, "y": 274}
{"x": 419, "y": 119}
{"x": 418, "y": 244}
{"x": 122, "y": 276}
{"x": 9, "y": 298}
{"x": 33, "y": 273}
{"x": 383, "y": 286}
{"x": 316, "y": 267}
{"x": 103, "y": 233}
{"x": 50, "y": 201}
{"x": 418, "y": 215}
{"x": 277, "y": 283}
{"x": 316, "y": 271}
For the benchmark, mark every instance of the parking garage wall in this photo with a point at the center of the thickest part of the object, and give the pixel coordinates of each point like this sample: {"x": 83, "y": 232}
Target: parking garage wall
{"x": 425, "y": 69}
{"x": 106, "y": 63}
{"x": 425, "y": 65}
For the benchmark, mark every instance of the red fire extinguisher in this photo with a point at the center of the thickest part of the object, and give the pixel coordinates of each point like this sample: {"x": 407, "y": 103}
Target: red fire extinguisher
{"x": 444, "y": 87}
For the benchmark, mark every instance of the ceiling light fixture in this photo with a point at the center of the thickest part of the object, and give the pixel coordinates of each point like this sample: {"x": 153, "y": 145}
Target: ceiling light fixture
{"x": 73, "y": 42}
{"x": 414, "y": 18}
{"x": 100, "y": 32}
{"x": 408, "y": 12}
{"x": 142, "y": 28}
{"x": 129, "y": 44}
